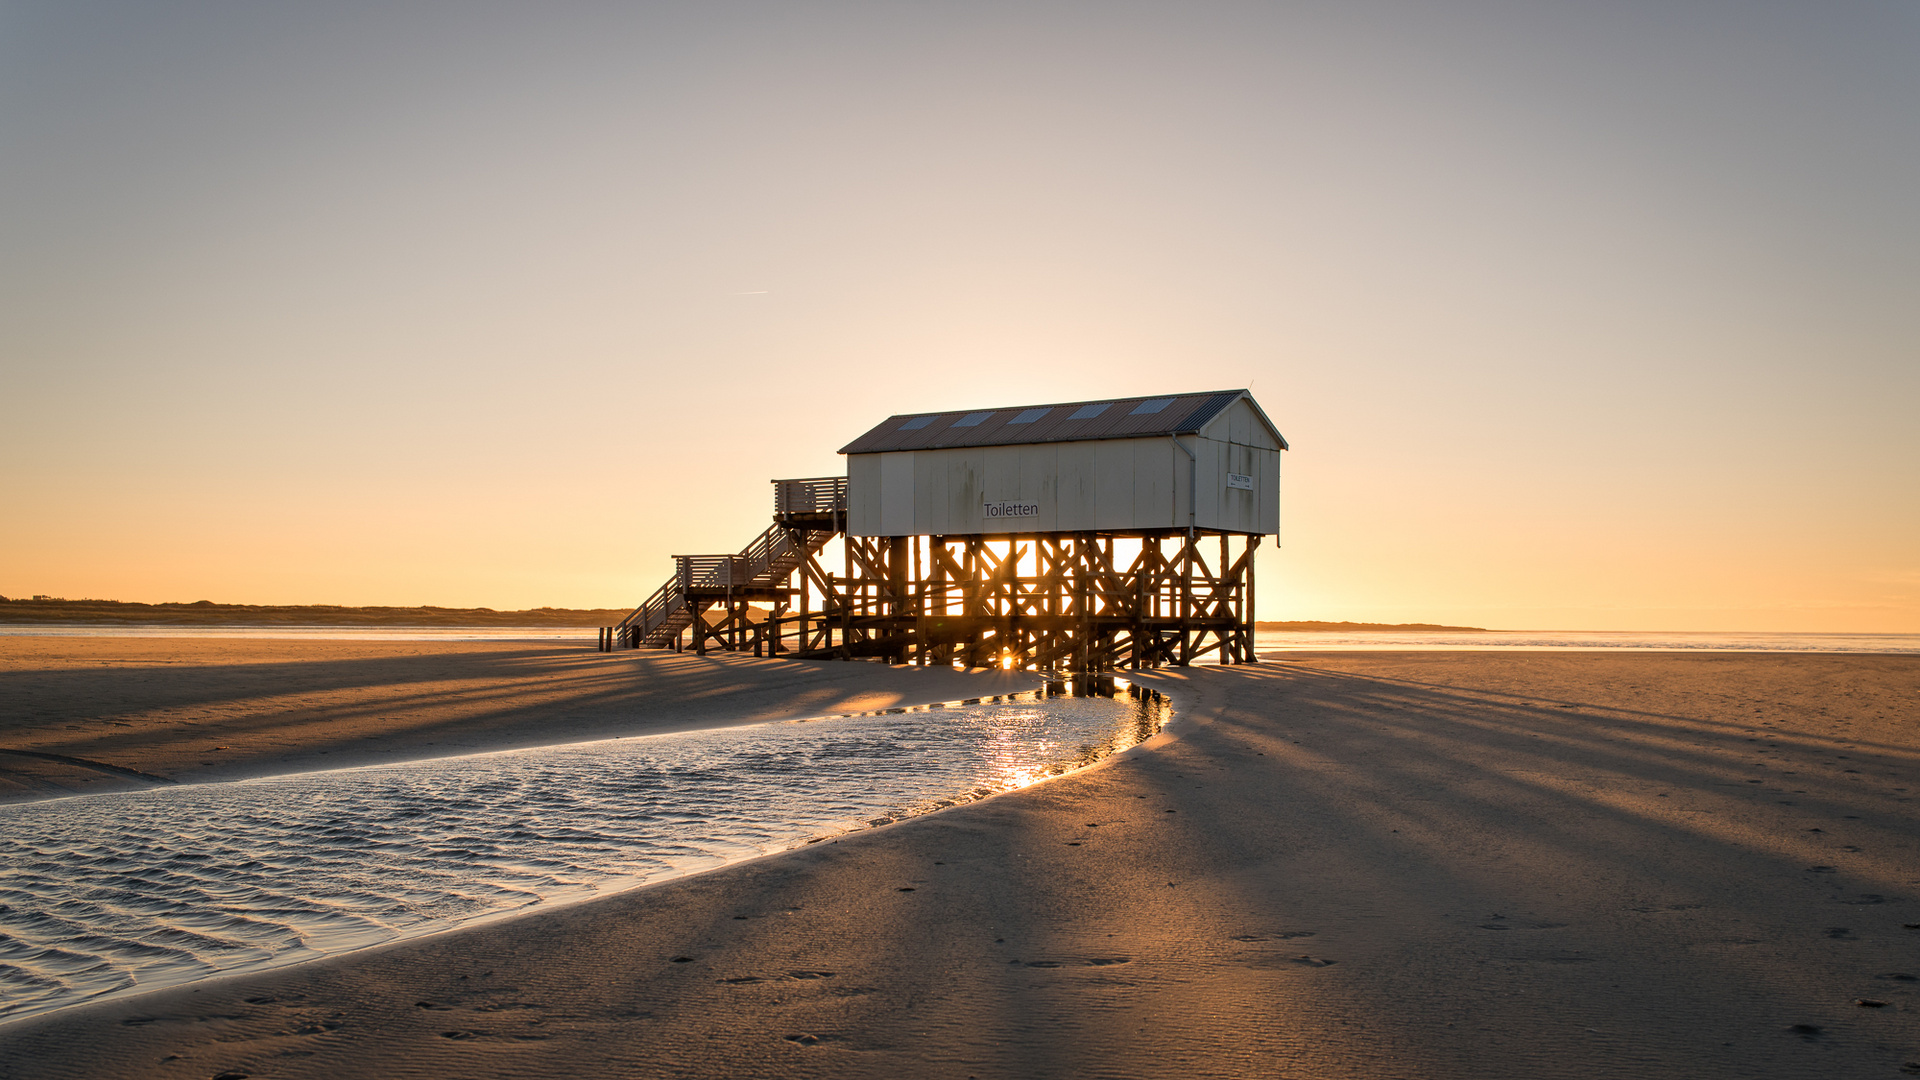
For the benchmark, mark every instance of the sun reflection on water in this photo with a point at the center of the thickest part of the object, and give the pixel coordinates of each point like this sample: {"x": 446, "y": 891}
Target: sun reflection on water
{"x": 114, "y": 893}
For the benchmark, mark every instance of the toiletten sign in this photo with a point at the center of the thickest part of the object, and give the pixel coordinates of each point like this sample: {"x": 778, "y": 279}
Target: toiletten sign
{"x": 1240, "y": 480}
{"x": 999, "y": 510}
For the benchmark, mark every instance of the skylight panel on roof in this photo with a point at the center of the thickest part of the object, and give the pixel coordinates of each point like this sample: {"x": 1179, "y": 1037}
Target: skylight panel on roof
{"x": 916, "y": 423}
{"x": 972, "y": 419}
{"x": 1029, "y": 416}
{"x": 1153, "y": 405}
{"x": 1088, "y": 412}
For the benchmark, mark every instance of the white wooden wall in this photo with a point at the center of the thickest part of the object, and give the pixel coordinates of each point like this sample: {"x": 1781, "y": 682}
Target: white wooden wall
{"x": 1106, "y": 484}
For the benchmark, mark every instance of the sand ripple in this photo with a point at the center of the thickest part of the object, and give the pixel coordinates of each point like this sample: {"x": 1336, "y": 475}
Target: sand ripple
{"x": 115, "y": 893}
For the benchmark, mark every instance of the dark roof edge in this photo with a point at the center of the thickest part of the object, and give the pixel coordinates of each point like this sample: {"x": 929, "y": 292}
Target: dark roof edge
{"x": 1192, "y": 426}
{"x": 1184, "y": 428}
{"x": 1262, "y": 414}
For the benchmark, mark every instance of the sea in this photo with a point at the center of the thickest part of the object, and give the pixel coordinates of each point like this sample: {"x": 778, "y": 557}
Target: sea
{"x": 1586, "y": 640}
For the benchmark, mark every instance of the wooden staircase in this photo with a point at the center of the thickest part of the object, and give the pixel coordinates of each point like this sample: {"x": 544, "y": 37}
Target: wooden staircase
{"x": 807, "y": 514}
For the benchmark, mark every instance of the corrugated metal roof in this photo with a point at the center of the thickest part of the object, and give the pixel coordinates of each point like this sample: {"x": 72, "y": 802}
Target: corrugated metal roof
{"x": 1111, "y": 418}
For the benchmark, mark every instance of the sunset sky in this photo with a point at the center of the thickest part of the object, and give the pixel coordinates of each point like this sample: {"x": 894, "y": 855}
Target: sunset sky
{"x": 1599, "y": 315}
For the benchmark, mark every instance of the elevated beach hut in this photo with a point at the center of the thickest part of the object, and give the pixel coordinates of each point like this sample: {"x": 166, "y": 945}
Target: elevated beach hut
{"x": 1203, "y": 462}
{"x": 1083, "y": 536}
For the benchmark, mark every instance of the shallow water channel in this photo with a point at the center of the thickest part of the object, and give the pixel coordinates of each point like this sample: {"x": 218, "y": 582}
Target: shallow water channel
{"x": 109, "y": 894}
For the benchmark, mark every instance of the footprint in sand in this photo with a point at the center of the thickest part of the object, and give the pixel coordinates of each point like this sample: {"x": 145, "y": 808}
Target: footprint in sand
{"x": 314, "y": 1027}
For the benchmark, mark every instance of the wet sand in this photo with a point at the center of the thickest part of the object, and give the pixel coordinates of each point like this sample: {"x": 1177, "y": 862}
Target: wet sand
{"x": 85, "y": 715}
{"x": 1345, "y": 865}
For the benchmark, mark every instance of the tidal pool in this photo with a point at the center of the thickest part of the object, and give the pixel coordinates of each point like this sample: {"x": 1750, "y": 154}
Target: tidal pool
{"x": 111, "y": 894}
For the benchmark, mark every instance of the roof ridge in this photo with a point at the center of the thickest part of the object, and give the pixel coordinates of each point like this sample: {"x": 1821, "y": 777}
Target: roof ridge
{"x": 1066, "y": 404}
{"x": 1091, "y": 419}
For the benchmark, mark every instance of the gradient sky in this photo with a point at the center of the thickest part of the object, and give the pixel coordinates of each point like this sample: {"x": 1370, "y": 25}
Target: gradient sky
{"x": 1598, "y": 315}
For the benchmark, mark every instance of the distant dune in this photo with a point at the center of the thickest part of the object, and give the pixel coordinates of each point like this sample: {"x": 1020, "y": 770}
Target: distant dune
{"x": 1371, "y": 627}
{"x": 207, "y": 613}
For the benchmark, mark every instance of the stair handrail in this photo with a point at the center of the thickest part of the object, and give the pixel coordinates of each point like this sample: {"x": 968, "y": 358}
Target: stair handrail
{"x": 654, "y": 609}
{"x": 772, "y": 555}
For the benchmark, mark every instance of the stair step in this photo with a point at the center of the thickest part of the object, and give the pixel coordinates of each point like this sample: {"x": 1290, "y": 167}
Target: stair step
{"x": 767, "y": 567}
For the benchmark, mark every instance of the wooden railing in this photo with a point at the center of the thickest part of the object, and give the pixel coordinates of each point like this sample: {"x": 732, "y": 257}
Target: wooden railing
{"x": 767, "y": 561}
{"x": 654, "y": 612}
{"x": 815, "y": 495}
{"x": 712, "y": 571}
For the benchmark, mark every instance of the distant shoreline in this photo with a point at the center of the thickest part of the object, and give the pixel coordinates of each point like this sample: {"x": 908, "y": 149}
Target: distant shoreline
{"x": 1374, "y": 627}
{"x": 206, "y": 613}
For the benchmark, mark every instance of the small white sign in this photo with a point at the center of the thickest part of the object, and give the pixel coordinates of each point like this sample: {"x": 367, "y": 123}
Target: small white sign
{"x": 1012, "y": 510}
{"x": 1237, "y": 480}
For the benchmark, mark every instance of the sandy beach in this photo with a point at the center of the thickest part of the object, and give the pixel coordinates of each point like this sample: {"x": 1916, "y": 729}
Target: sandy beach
{"x": 92, "y": 714}
{"x": 1426, "y": 865}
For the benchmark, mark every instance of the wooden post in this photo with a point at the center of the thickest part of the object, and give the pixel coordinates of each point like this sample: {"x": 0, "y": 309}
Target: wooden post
{"x": 840, "y": 600}
{"x": 779, "y": 614}
{"x": 1186, "y": 599}
{"x": 917, "y": 608}
{"x": 895, "y": 607}
{"x": 1252, "y": 619}
{"x": 933, "y": 599}
{"x": 1226, "y": 592}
